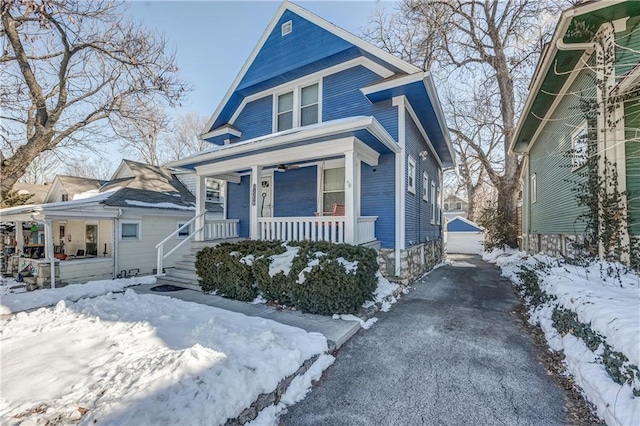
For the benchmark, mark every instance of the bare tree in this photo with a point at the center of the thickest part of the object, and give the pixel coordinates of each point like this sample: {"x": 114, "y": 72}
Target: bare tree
{"x": 486, "y": 49}
{"x": 84, "y": 166}
{"x": 184, "y": 139}
{"x": 70, "y": 70}
{"x": 143, "y": 135}
{"x": 42, "y": 169}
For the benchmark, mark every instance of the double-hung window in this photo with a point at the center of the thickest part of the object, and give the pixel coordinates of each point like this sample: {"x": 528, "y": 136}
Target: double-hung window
{"x": 534, "y": 188}
{"x": 433, "y": 202}
{"x": 425, "y": 186}
{"x": 130, "y": 230}
{"x": 298, "y": 107}
{"x": 213, "y": 190}
{"x": 332, "y": 189}
{"x": 411, "y": 175}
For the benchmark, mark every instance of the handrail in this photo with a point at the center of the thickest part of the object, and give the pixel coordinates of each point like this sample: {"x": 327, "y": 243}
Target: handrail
{"x": 180, "y": 229}
{"x": 160, "y": 245}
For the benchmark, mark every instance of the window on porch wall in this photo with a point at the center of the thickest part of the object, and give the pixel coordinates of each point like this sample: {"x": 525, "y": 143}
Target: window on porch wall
{"x": 332, "y": 189}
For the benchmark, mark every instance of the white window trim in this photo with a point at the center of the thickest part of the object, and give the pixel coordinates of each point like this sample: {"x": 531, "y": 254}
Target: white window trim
{"x": 433, "y": 204}
{"x": 425, "y": 187}
{"x": 583, "y": 127}
{"x": 533, "y": 188}
{"x": 438, "y": 205}
{"x": 130, "y": 222}
{"x": 297, "y": 90}
{"x": 179, "y": 223}
{"x": 287, "y": 28}
{"x": 411, "y": 176}
{"x": 334, "y": 164}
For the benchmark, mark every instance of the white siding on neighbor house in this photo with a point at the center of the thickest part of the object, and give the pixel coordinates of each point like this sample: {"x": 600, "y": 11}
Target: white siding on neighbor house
{"x": 142, "y": 254}
{"x": 84, "y": 270}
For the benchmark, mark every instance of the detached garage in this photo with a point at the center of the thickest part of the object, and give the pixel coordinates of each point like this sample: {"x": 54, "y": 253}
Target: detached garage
{"x": 464, "y": 236}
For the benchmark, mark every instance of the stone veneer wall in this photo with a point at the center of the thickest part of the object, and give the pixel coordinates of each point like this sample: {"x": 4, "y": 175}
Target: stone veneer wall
{"x": 414, "y": 261}
{"x": 551, "y": 244}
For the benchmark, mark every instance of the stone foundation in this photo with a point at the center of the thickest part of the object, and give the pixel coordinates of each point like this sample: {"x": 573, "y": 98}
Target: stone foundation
{"x": 551, "y": 244}
{"x": 414, "y": 261}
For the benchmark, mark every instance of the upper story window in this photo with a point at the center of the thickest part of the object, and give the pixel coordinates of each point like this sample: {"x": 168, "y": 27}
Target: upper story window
{"x": 458, "y": 205}
{"x": 425, "y": 186}
{"x": 65, "y": 197}
{"x": 534, "y": 188}
{"x": 298, "y": 107}
{"x": 433, "y": 201}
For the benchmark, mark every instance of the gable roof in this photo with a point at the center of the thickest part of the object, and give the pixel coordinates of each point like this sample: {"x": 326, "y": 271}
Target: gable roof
{"x": 556, "y": 64}
{"x": 460, "y": 224}
{"x": 337, "y": 40}
{"x": 38, "y": 192}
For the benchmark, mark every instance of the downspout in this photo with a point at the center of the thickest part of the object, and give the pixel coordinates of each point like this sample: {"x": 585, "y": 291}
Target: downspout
{"x": 116, "y": 242}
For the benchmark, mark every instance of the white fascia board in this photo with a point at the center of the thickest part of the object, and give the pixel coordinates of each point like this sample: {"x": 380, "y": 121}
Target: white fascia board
{"x": 390, "y": 84}
{"x": 308, "y": 152}
{"x": 368, "y": 47}
{"x": 356, "y": 41}
{"x": 318, "y": 75}
{"x": 118, "y": 171}
{"x": 382, "y": 135}
{"x": 437, "y": 107}
{"x": 357, "y": 123}
{"x": 366, "y": 153}
{"x": 224, "y": 130}
{"x": 549, "y": 55}
{"x": 414, "y": 117}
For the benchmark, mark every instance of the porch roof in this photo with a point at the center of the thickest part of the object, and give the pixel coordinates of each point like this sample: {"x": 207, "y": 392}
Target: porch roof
{"x": 365, "y": 128}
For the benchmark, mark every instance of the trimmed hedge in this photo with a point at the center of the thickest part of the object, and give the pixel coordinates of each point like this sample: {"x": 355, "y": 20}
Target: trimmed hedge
{"x": 317, "y": 282}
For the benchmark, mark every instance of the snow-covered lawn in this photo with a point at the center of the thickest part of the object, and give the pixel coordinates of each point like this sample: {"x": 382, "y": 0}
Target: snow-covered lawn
{"x": 609, "y": 305}
{"x": 12, "y": 302}
{"x": 144, "y": 359}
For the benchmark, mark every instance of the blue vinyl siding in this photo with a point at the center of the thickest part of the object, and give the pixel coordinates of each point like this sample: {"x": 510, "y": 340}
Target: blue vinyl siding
{"x": 295, "y": 192}
{"x": 418, "y": 227}
{"x": 307, "y": 43}
{"x": 341, "y": 97}
{"x": 256, "y": 119}
{"x": 378, "y": 197}
{"x": 238, "y": 204}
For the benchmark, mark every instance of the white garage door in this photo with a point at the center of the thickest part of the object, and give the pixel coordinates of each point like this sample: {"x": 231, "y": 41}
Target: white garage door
{"x": 465, "y": 242}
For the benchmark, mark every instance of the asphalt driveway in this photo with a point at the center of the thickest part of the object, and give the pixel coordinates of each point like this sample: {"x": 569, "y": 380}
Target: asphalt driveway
{"x": 448, "y": 353}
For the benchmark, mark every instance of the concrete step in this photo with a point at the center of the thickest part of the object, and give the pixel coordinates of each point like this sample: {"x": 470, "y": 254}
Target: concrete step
{"x": 186, "y": 265}
{"x": 182, "y": 273}
{"x": 179, "y": 282}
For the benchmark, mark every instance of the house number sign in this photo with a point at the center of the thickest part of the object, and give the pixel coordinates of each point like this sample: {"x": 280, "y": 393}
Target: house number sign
{"x": 253, "y": 195}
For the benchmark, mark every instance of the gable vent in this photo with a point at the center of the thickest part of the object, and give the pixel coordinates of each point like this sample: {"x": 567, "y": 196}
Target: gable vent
{"x": 287, "y": 27}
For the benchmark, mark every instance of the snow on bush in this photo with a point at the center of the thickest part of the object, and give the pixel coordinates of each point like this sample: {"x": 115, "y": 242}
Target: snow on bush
{"x": 605, "y": 299}
{"x": 142, "y": 359}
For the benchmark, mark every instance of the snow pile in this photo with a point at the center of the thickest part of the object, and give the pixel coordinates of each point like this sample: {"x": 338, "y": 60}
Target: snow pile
{"x": 143, "y": 359}
{"x": 165, "y": 205}
{"x": 9, "y": 286}
{"x": 349, "y": 317}
{"x": 609, "y": 305}
{"x": 295, "y": 393}
{"x": 283, "y": 262}
{"x": 384, "y": 294}
{"x": 12, "y": 303}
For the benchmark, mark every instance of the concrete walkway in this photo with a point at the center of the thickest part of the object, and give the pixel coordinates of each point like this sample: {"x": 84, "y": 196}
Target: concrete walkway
{"x": 448, "y": 353}
{"x": 337, "y": 332}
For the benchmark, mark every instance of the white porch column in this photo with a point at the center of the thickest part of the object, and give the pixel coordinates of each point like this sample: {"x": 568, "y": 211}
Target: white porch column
{"x": 19, "y": 237}
{"x": 201, "y": 195}
{"x": 48, "y": 250}
{"x": 254, "y": 207}
{"x": 350, "y": 192}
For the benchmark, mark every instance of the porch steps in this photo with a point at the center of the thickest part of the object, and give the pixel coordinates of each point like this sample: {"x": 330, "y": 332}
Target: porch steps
{"x": 184, "y": 272}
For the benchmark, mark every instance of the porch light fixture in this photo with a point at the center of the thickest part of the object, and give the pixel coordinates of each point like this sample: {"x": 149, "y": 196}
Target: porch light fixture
{"x": 423, "y": 155}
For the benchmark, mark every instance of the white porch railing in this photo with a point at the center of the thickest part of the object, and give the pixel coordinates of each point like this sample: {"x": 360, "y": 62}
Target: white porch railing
{"x": 160, "y": 245}
{"x": 366, "y": 229}
{"x": 224, "y": 228}
{"x": 321, "y": 228}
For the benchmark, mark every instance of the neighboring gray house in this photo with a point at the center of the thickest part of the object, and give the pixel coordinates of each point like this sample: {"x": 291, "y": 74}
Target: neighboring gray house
{"x": 454, "y": 206}
{"x": 107, "y": 231}
{"x": 65, "y": 188}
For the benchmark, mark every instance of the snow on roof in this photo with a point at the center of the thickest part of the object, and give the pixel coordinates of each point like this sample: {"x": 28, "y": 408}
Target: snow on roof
{"x": 158, "y": 205}
{"x": 89, "y": 199}
{"x": 461, "y": 224}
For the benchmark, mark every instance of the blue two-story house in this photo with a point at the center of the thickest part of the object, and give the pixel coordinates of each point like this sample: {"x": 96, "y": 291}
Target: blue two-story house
{"x": 323, "y": 136}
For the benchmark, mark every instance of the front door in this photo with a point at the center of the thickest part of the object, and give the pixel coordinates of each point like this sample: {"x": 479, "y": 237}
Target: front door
{"x": 266, "y": 197}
